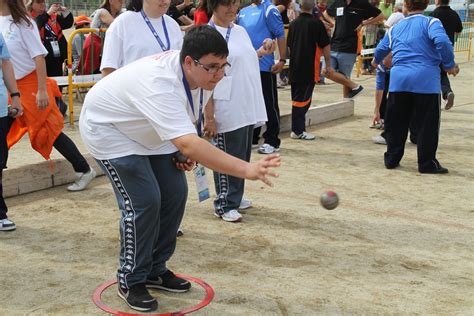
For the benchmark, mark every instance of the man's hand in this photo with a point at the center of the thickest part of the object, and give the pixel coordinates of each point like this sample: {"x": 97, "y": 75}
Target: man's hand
{"x": 278, "y": 67}
{"x": 453, "y": 71}
{"x": 186, "y": 166}
{"x": 15, "y": 109}
{"x": 210, "y": 128}
{"x": 260, "y": 170}
{"x": 42, "y": 99}
{"x": 328, "y": 71}
{"x": 374, "y": 64}
{"x": 376, "y": 119}
{"x": 268, "y": 47}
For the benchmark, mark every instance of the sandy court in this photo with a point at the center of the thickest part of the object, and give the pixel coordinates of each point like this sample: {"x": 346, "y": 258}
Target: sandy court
{"x": 399, "y": 243}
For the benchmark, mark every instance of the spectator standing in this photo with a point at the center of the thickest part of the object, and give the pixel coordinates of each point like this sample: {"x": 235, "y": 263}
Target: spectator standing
{"x": 51, "y": 24}
{"x": 42, "y": 119}
{"x": 348, "y": 16}
{"x": 7, "y": 84}
{"x": 396, "y": 16}
{"x": 202, "y": 13}
{"x": 158, "y": 33}
{"x": 107, "y": 12}
{"x": 305, "y": 34}
{"x": 452, "y": 25}
{"x": 238, "y": 106}
{"x": 262, "y": 20}
{"x": 415, "y": 84}
{"x": 80, "y": 22}
{"x": 386, "y": 8}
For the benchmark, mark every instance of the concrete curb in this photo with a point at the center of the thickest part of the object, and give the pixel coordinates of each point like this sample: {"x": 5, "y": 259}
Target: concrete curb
{"x": 37, "y": 176}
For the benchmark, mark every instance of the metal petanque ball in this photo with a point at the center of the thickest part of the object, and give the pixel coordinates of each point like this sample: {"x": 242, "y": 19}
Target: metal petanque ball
{"x": 329, "y": 200}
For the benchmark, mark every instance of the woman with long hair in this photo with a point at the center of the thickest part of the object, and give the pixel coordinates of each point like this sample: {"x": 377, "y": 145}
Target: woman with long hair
{"x": 51, "y": 24}
{"x": 42, "y": 119}
{"x": 202, "y": 13}
{"x": 107, "y": 12}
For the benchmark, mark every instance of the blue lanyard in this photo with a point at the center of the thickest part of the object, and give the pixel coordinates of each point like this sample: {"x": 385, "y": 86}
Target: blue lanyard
{"x": 229, "y": 29}
{"x": 155, "y": 33}
{"x": 191, "y": 103}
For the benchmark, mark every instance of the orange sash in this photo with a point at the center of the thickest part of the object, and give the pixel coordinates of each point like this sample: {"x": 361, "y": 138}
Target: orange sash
{"x": 43, "y": 126}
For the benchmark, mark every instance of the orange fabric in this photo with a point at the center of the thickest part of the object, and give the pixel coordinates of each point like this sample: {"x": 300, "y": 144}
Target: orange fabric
{"x": 43, "y": 126}
{"x": 301, "y": 104}
{"x": 317, "y": 64}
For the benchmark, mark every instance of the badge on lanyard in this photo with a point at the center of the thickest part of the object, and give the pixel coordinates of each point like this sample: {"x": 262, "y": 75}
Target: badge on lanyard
{"x": 55, "y": 47}
{"x": 340, "y": 11}
{"x": 201, "y": 182}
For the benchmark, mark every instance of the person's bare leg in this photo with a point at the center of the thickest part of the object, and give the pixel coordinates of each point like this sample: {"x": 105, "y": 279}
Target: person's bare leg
{"x": 343, "y": 80}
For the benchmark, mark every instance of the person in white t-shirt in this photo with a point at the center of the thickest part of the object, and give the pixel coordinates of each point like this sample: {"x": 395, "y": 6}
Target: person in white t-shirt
{"x": 134, "y": 122}
{"x": 106, "y": 13}
{"x": 396, "y": 16}
{"x": 134, "y": 35}
{"x": 42, "y": 119}
{"x": 238, "y": 106}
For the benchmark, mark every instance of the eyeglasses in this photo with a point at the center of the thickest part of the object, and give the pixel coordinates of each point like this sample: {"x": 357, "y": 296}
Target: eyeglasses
{"x": 213, "y": 69}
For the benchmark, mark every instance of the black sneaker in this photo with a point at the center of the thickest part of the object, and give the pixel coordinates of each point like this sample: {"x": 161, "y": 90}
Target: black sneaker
{"x": 355, "y": 92}
{"x": 138, "y": 298}
{"x": 168, "y": 281}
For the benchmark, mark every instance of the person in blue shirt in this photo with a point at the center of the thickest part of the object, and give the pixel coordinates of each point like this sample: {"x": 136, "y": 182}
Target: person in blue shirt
{"x": 419, "y": 45}
{"x": 7, "y": 113}
{"x": 262, "y": 21}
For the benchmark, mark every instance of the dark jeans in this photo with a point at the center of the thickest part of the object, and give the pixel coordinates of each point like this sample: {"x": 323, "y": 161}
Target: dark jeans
{"x": 270, "y": 96}
{"x": 5, "y": 123}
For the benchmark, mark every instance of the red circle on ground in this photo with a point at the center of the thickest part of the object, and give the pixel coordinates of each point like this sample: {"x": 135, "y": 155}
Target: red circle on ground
{"x": 97, "y": 298}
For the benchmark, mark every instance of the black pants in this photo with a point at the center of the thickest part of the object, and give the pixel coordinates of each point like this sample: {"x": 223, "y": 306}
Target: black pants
{"x": 270, "y": 96}
{"x": 301, "y": 94}
{"x": 445, "y": 84}
{"x": 423, "y": 110}
{"x": 5, "y": 123}
{"x": 63, "y": 144}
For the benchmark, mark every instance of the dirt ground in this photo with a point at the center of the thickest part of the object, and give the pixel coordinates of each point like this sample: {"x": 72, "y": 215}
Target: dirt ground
{"x": 399, "y": 243}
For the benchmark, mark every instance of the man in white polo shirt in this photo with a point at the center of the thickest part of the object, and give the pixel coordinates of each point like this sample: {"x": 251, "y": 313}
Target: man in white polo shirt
{"x": 134, "y": 121}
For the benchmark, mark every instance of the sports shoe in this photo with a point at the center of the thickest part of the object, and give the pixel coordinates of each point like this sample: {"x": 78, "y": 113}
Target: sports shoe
{"x": 268, "y": 149}
{"x": 244, "y": 204}
{"x": 449, "y": 101}
{"x": 355, "y": 92}
{"x": 6, "y": 225}
{"x": 180, "y": 232}
{"x": 168, "y": 281}
{"x": 138, "y": 298}
{"x": 82, "y": 181}
{"x": 303, "y": 136}
{"x": 379, "y": 140}
{"x": 230, "y": 216}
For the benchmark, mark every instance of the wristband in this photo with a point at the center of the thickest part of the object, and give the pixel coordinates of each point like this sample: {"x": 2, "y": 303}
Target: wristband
{"x": 14, "y": 94}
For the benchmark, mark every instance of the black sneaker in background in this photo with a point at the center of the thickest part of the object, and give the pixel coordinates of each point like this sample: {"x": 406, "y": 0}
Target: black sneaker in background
{"x": 138, "y": 298}
{"x": 355, "y": 92}
{"x": 168, "y": 281}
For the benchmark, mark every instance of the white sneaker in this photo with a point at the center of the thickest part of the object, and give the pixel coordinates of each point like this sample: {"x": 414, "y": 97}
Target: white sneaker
{"x": 6, "y": 225}
{"x": 379, "y": 140}
{"x": 304, "y": 136}
{"x": 82, "y": 181}
{"x": 244, "y": 204}
{"x": 230, "y": 216}
{"x": 268, "y": 149}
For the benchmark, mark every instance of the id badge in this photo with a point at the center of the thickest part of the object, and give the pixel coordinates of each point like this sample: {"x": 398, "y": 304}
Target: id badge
{"x": 201, "y": 183}
{"x": 55, "y": 47}
{"x": 340, "y": 11}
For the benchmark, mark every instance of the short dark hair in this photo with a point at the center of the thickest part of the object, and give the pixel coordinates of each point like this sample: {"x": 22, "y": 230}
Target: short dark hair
{"x": 134, "y": 5}
{"x": 416, "y": 5}
{"x": 444, "y": 2}
{"x": 213, "y": 4}
{"x": 203, "y": 40}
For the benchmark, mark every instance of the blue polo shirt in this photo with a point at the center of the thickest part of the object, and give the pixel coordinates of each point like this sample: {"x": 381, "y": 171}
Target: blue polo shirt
{"x": 261, "y": 22}
{"x": 419, "y": 44}
{"x": 3, "y": 90}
